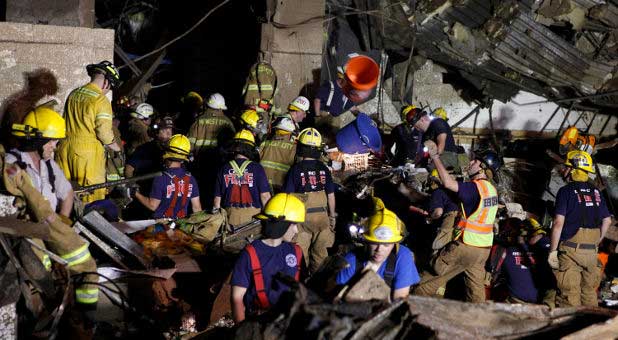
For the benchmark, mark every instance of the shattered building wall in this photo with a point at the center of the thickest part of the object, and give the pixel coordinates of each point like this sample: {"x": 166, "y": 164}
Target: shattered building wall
{"x": 64, "y": 50}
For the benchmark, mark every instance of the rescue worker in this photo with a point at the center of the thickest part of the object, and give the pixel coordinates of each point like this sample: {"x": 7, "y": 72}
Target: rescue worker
{"x": 35, "y": 153}
{"x": 580, "y": 223}
{"x": 250, "y": 120}
{"x": 254, "y": 286}
{"x": 148, "y": 157}
{"x": 479, "y": 205}
{"x": 211, "y": 127}
{"x": 297, "y": 110}
{"x": 175, "y": 188}
{"x": 438, "y": 131}
{"x": 539, "y": 243}
{"x": 278, "y": 152}
{"x": 89, "y": 117}
{"x": 330, "y": 99}
{"x": 440, "y": 113}
{"x": 407, "y": 140}
{"x": 383, "y": 254}
{"x": 39, "y": 134}
{"x": 309, "y": 176}
{"x": 191, "y": 106}
{"x": 512, "y": 266}
{"x": 260, "y": 89}
{"x": 241, "y": 186}
{"x": 443, "y": 209}
{"x": 137, "y": 130}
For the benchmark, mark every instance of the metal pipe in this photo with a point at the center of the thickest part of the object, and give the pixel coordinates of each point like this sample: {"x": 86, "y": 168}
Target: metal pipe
{"x": 550, "y": 118}
{"x": 475, "y": 110}
{"x": 565, "y": 118}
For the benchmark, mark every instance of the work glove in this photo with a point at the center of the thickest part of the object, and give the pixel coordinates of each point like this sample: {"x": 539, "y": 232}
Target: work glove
{"x": 432, "y": 148}
{"x": 553, "y": 260}
{"x": 133, "y": 189}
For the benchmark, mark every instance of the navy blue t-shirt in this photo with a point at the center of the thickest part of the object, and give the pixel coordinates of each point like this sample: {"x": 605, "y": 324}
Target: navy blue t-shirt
{"x": 408, "y": 143}
{"x": 405, "y": 270}
{"x": 309, "y": 175}
{"x": 273, "y": 260}
{"x": 544, "y": 276}
{"x": 440, "y": 198}
{"x": 146, "y": 158}
{"x": 469, "y": 196}
{"x": 339, "y": 102}
{"x": 241, "y": 191}
{"x": 163, "y": 189}
{"x": 439, "y": 126}
{"x": 517, "y": 267}
{"x": 576, "y": 198}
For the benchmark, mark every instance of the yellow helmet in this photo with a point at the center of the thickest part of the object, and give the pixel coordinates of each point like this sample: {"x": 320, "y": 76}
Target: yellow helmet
{"x": 384, "y": 227}
{"x": 250, "y": 117}
{"x": 534, "y": 227}
{"x": 245, "y": 136}
{"x": 440, "y": 113}
{"x": 283, "y": 207}
{"x": 310, "y": 137}
{"x": 43, "y": 122}
{"x": 193, "y": 96}
{"x": 578, "y": 159}
{"x": 178, "y": 147}
{"x": 405, "y": 110}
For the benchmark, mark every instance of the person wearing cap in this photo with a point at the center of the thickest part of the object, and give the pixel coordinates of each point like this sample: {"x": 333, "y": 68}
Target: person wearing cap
{"x": 479, "y": 206}
{"x": 255, "y": 288}
{"x": 580, "y": 223}
{"x": 278, "y": 152}
{"x": 241, "y": 185}
{"x": 172, "y": 192}
{"x": 137, "y": 129}
{"x": 383, "y": 254}
{"x": 89, "y": 119}
{"x": 406, "y": 139}
{"x": 310, "y": 177}
{"x": 438, "y": 131}
{"x": 330, "y": 99}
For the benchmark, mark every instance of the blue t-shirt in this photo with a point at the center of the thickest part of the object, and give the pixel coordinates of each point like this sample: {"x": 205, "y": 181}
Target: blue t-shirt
{"x": 544, "y": 277}
{"x": 408, "y": 143}
{"x": 309, "y": 175}
{"x": 339, "y": 102}
{"x": 405, "y": 270}
{"x": 437, "y": 127}
{"x": 440, "y": 198}
{"x": 273, "y": 260}
{"x": 575, "y": 198}
{"x": 163, "y": 189}
{"x": 517, "y": 268}
{"x": 241, "y": 191}
{"x": 469, "y": 196}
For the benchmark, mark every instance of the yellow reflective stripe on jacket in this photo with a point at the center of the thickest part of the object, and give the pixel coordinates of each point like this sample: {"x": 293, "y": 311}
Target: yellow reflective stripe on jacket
{"x": 46, "y": 262}
{"x": 478, "y": 227}
{"x": 264, "y": 87}
{"x": 87, "y": 295}
{"x": 104, "y": 115}
{"x": 275, "y": 165}
{"x": 87, "y": 92}
{"x": 206, "y": 142}
{"x": 80, "y": 255}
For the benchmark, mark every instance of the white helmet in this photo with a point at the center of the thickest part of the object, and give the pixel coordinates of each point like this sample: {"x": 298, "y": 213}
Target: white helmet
{"x": 285, "y": 124}
{"x": 299, "y": 104}
{"x": 143, "y": 111}
{"x": 216, "y": 101}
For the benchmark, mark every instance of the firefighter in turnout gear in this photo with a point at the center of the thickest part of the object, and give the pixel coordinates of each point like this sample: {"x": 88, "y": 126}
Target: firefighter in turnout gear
{"x": 137, "y": 131}
{"x": 469, "y": 252}
{"x": 241, "y": 186}
{"x": 211, "y": 127}
{"x": 175, "y": 188}
{"x": 89, "y": 119}
{"x": 278, "y": 152}
{"x": 580, "y": 223}
{"x": 254, "y": 286}
{"x": 260, "y": 89}
{"x": 383, "y": 254}
{"x": 311, "y": 178}
{"x": 34, "y": 178}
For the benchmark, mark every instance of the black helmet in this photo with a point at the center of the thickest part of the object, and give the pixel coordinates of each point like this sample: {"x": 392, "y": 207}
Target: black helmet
{"x": 108, "y": 70}
{"x": 490, "y": 158}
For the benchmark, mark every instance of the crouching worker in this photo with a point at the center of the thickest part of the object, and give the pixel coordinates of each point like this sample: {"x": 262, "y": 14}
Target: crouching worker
{"x": 383, "y": 254}
{"x": 254, "y": 287}
{"x": 175, "y": 188}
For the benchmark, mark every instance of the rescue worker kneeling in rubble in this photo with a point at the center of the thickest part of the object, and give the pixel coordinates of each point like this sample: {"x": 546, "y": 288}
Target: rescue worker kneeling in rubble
{"x": 310, "y": 177}
{"x": 383, "y": 254}
{"x": 175, "y": 188}
{"x": 581, "y": 221}
{"x": 468, "y": 254}
{"x": 254, "y": 285}
{"x": 38, "y": 136}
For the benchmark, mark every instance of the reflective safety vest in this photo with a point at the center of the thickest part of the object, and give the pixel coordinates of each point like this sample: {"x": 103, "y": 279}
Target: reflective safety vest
{"x": 277, "y": 156}
{"x": 262, "y": 301}
{"x": 478, "y": 228}
{"x": 184, "y": 192}
{"x": 204, "y": 133}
